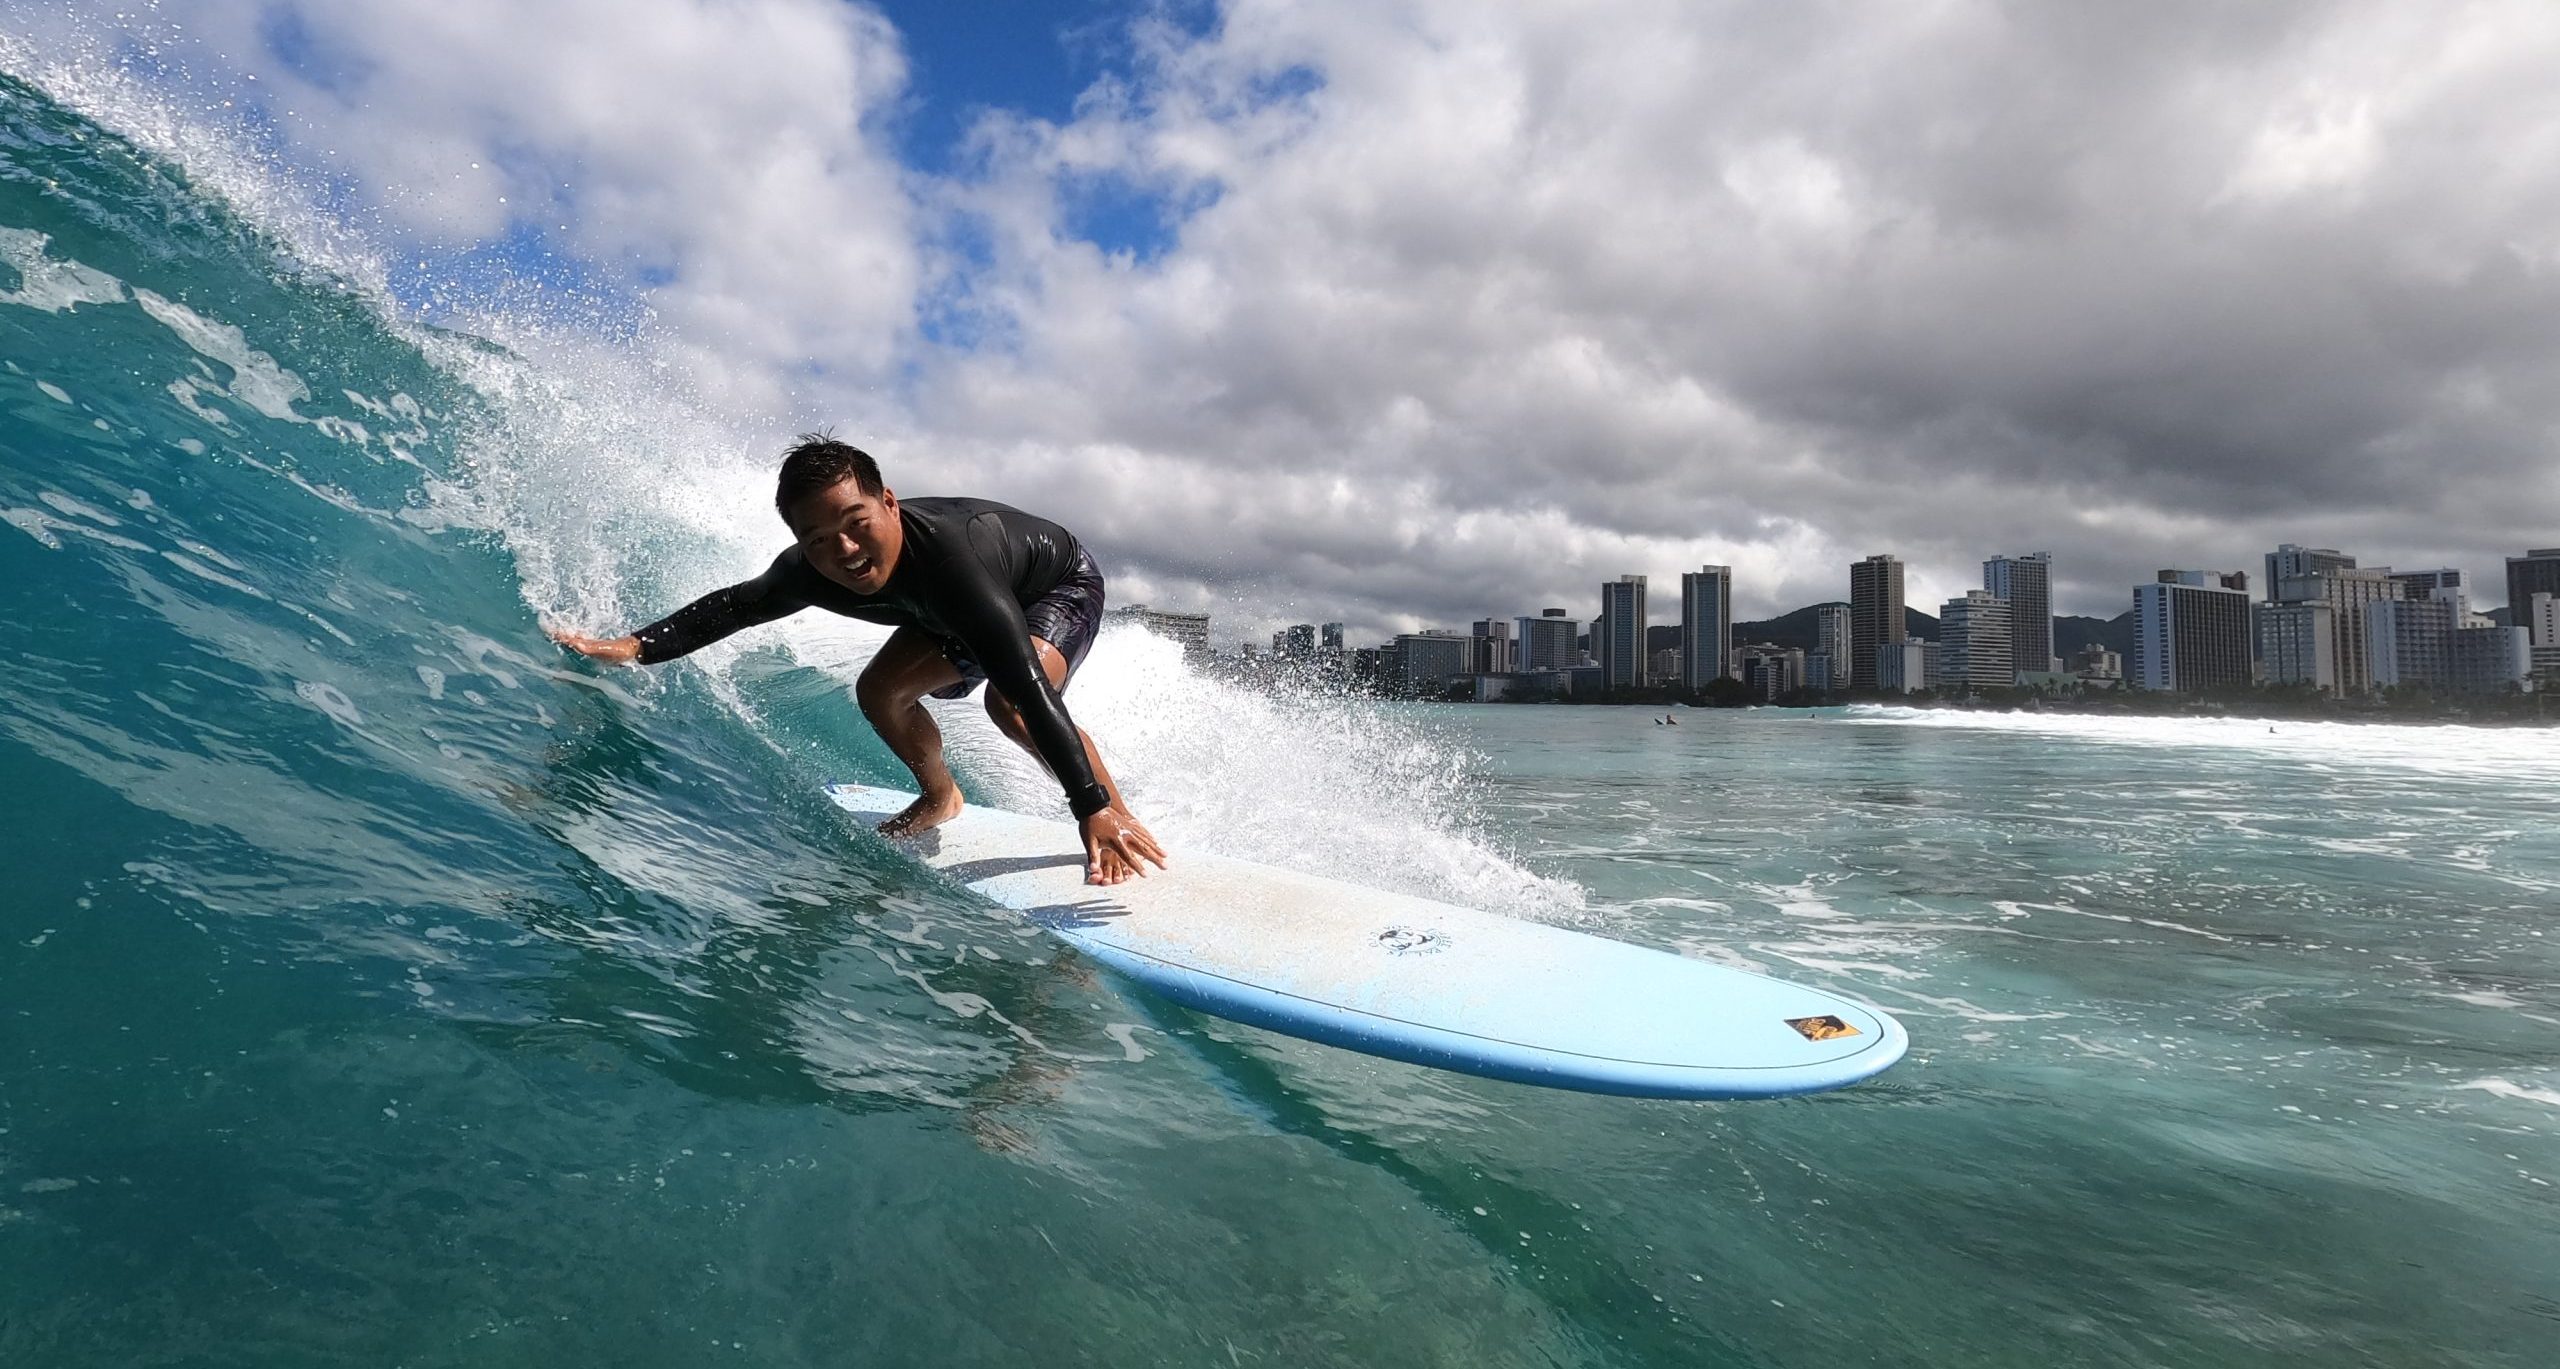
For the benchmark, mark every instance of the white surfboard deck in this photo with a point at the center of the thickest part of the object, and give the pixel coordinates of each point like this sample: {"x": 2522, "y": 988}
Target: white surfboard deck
{"x": 1409, "y": 978}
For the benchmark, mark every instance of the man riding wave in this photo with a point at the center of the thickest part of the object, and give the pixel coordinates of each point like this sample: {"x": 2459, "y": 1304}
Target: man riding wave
{"x": 978, "y": 592}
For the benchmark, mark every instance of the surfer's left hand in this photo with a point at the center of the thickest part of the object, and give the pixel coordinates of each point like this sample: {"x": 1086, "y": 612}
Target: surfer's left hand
{"x": 614, "y": 650}
{"x": 1114, "y": 844}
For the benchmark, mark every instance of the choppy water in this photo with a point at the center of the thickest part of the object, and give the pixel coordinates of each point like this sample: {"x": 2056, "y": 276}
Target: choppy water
{"x": 378, "y": 987}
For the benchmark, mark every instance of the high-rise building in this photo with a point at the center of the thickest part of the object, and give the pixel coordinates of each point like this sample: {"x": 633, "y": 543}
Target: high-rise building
{"x": 2027, "y": 583}
{"x": 2541, "y": 618}
{"x": 2546, "y": 669}
{"x": 2291, "y": 562}
{"x": 1907, "y": 666}
{"x": 1546, "y": 641}
{"x": 2491, "y": 660}
{"x": 2409, "y": 642}
{"x": 1330, "y": 638}
{"x": 2535, "y": 572}
{"x": 1706, "y": 625}
{"x": 1973, "y": 642}
{"x": 1189, "y": 629}
{"x": 2191, "y": 631}
{"x": 2446, "y": 585}
{"x": 2095, "y": 662}
{"x": 1421, "y": 664}
{"x": 1875, "y": 615}
{"x": 1367, "y": 665}
{"x": 1495, "y": 653}
{"x": 2297, "y": 644}
{"x": 1770, "y": 671}
{"x": 1298, "y": 642}
{"x": 1617, "y": 636}
{"x": 2349, "y": 592}
{"x": 1831, "y": 638}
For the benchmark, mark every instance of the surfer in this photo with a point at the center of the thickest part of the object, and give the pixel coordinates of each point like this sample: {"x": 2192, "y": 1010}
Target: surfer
{"x": 978, "y": 592}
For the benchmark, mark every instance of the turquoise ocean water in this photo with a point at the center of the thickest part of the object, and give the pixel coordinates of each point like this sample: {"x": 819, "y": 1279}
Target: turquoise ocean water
{"x": 378, "y": 987}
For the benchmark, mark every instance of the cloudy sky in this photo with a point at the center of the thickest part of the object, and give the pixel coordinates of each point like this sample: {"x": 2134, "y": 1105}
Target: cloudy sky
{"x": 1413, "y": 311}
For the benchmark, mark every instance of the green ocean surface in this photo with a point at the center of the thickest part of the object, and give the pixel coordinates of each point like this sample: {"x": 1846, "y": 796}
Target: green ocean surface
{"x": 378, "y": 986}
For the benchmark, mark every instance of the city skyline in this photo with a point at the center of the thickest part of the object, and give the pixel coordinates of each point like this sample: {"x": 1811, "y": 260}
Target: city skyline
{"x": 1236, "y": 627}
{"x": 2318, "y": 619}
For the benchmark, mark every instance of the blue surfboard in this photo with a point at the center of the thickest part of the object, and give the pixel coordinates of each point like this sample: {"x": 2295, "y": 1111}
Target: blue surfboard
{"x": 1409, "y": 978}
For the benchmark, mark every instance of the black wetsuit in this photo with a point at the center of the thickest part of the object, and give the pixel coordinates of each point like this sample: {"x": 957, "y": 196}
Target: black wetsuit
{"x": 968, "y": 570}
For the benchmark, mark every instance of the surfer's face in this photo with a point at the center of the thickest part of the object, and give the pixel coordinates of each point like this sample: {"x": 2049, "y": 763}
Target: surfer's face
{"x": 850, "y": 537}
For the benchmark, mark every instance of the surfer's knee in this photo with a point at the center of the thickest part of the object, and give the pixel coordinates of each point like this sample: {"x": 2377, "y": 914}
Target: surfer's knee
{"x": 880, "y": 696}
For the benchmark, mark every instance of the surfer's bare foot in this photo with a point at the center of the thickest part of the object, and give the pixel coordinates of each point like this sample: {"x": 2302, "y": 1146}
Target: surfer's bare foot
{"x": 925, "y": 814}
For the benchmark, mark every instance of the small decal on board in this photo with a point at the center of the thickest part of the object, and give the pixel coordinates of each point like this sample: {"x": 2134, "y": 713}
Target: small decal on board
{"x": 1821, "y": 1028}
{"x": 1408, "y": 940}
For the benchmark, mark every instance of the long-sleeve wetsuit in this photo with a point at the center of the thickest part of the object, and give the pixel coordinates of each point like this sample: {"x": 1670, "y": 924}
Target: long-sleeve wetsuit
{"x": 967, "y": 568}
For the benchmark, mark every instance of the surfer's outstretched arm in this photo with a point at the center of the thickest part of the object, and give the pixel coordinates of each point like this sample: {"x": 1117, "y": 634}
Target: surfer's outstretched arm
{"x": 698, "y": 624}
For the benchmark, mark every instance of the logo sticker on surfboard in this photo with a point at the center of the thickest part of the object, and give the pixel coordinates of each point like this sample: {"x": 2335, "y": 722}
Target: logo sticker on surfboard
{"x": 1410, "y": 941}
{"x": 1823, "y": 1028}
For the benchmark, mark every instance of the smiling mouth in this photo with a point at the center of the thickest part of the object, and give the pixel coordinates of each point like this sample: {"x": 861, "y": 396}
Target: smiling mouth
{"x": 858, "y": 567}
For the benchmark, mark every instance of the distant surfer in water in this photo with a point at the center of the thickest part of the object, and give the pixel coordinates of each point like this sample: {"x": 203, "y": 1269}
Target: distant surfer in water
{"x": 978, "y": 593}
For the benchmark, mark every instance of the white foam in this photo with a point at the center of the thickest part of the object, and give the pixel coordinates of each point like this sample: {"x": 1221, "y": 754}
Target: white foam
{"x": 77, "y": 509}
{"x": 2010, "y": 908}
{"x": 49, "y": 284}
{"x": 34, "y": 523}
{"x": 202, "y": 571}
{"x": 319, "y": 622}
{"x": 2487, "y": 998}
{"x": 1972, "y": 1012}
{"x": 331, "y": 700}
{"x": 2508, "y": 1089}
{"x": 256, "y": 379}
{"x": 2446, "y": 749}
{"x": 189, "y": 391}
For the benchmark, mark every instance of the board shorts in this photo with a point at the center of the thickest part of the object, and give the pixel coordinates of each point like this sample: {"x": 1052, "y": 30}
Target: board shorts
{"x": 1068, "y": 616}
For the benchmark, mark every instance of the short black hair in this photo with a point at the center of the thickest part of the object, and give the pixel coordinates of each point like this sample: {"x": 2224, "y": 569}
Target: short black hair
{"x": 816, "y": 462}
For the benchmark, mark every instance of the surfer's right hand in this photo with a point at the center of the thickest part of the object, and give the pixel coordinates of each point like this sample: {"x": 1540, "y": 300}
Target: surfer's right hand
{"x": 1114, "y": 846}
{"x": 617, "y": 650}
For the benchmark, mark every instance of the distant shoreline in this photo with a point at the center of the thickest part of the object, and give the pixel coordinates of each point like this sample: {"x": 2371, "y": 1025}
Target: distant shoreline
{"x": 2510, "y": 711}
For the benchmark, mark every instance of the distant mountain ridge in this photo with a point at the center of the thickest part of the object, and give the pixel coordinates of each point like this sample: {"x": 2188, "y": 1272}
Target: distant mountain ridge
{"x": 2071, "y": 632}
